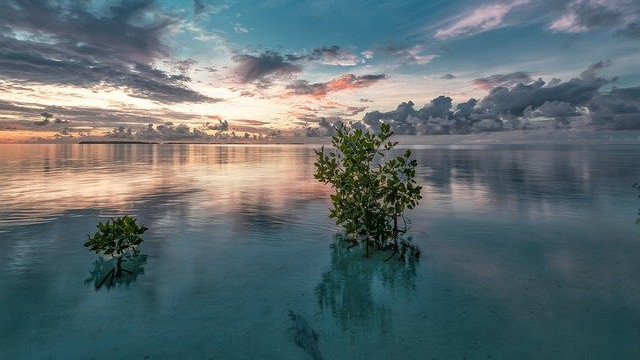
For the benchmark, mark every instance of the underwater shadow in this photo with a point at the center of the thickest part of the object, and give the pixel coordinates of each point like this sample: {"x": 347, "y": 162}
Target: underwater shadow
{"x": 353, "y": 288}
{"x": 116, "y": 272}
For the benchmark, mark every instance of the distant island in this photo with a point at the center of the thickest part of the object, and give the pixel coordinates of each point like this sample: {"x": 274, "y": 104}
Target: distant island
{"x": 116, "y": 142}
{"x": 95, "y": 142}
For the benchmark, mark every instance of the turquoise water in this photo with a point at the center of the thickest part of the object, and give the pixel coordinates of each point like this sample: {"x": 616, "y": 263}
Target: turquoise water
{"x": 529, "y": 252}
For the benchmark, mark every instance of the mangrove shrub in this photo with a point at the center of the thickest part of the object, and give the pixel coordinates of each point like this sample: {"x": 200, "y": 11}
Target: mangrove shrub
{"x": 118, "y": 238}
{"x": 372, "y": 191}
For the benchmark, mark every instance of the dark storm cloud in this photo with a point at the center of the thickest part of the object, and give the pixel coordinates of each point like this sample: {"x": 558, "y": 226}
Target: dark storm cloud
{"x": 618, "y": 109}
{"x": 511, "y": 108}
{"x": 504, "y": 80}
{"x": 120, "y": 32}
{"x": 261, "y": 69}
{"x": 577, "y": 91}
{"x": 435, "y": 117}
{"x": 66, "y": 44}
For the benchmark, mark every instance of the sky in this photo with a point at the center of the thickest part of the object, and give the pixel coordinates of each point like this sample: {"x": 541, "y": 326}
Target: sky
{"x": 192, "y": 69}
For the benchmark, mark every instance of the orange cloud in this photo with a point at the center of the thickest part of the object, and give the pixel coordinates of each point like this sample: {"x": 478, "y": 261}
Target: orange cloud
{"x": 341, "y": 83}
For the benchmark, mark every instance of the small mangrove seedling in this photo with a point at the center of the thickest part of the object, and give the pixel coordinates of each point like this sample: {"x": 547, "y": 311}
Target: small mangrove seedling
{"x": 372, "y": 190}
{"x": 114, "y": 239}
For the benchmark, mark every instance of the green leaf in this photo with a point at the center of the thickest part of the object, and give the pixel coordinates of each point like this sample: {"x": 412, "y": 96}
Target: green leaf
{"x": 116, "y": 235}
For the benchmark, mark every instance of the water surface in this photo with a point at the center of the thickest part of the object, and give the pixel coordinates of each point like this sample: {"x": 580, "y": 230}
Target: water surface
{"x": 528, "y": 252}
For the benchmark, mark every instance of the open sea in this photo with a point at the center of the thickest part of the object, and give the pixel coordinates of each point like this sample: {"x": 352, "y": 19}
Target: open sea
{"x": 528, "y": 252}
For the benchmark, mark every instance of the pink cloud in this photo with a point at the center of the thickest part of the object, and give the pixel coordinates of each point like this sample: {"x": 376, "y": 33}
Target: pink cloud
{"x": 340, "y": 83}
{"x": 482, "y": 19}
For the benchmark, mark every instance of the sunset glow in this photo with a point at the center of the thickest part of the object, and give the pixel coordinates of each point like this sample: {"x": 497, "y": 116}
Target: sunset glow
{"x": 300, "y": 66}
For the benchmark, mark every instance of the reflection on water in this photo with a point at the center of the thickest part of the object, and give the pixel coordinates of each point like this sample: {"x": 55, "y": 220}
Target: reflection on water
{"x": 112, "y": 273}
{"x": 637, "y": 187}
{"x": 550, "y": 179}
{"x": 351, "y": 288}
{"x": 527, "y": 252}
{"x": 45, "y": 181}
{"x": 264, "y": 185}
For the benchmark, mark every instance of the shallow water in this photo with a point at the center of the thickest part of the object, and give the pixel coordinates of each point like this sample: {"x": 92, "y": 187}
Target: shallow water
{"x": 529, "y": 252}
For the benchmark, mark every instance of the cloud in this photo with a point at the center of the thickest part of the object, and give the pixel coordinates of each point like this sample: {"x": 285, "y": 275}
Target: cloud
{"x": 240, "y": 29}
{"x": 481, "y": 19}
{"x": 183, "y": 66}
{"x": 341, "y": 83}
{"x": 41, "y": 122}
{"x": 555, "y": 109}
{"x": 367, "y": 54}
{"x": 219, "y": 126}
{"x": 67, "y": 44}
{"x": 354, "y": 110}
{"x": 584, "y": 15}
{"x": 512, "y": 107}
{"x": 206, "y": 7}
{"x": 631, "y": 31}
{"x": 263, "y": 68}
{"x": 332, "y": 55}
{"x": 327, "y": 126}
{"x": 577, "y": 92}
{"x": 198, "y": 7}
{"x": 160, "y": 132}
{"x": 117, "y": 33}
{"x": 433, "y": 118}
{"x": 504, "y": 80}
{"x": 448, "y": 77}
{"x": 618, "y": 109}
{"x": 251, "y": 122}
{"x": 91, "y": 116}
{"x": 407, "y": 55}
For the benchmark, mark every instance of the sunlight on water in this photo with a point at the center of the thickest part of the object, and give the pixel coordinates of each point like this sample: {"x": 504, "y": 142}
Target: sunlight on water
{"x": 47, "y": 181}
{"x": 528, "y": 252}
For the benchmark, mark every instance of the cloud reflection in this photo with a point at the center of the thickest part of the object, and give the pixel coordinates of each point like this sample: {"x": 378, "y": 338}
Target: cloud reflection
{"x": 44, "y": 181}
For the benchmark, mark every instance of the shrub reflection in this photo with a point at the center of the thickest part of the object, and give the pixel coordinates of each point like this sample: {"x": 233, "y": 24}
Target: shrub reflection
{"x": 112, "y": 273}
{"x": 350, "y": 289}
